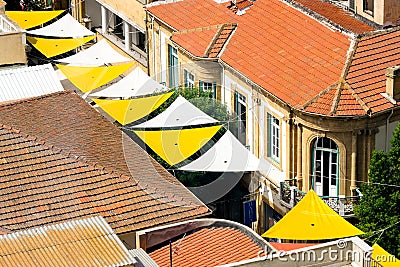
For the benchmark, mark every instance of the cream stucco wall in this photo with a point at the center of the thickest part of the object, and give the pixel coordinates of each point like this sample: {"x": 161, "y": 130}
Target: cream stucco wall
{"x": 12, "y": 48}
{"x": 130, "y": 10}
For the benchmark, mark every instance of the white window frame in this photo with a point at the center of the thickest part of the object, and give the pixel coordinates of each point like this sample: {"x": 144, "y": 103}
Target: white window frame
{"x": 274, "y": 138}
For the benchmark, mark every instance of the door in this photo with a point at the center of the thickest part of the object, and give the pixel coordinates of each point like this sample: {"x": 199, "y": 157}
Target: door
{"x": 325, "y": 167}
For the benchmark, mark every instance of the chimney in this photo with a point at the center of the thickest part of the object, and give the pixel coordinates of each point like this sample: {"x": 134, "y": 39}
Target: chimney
{"x": 393, "y": 82}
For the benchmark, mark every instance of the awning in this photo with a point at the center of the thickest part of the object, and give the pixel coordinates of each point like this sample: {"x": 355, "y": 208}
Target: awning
{"x": 383, "y": 257}
{"x": 174, "y": 146}
{"x": 180, "y": 113}
{"x": 55, "y": 47}
{"x": 129, "y": 110}
{"x": 136, "y": 83}
{"x": 226, "y": 155}
{"x": 60, "y": 36}
{"x": 99, "y": 54}
{"x": 87, "y": 78}
{"x": 65, "y": 27}
{"x": 312, "y": 219}
{"x": 30, "y": 19}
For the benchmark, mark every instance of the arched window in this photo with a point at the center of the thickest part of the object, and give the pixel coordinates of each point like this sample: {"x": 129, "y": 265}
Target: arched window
{"x": 325, "y": 166}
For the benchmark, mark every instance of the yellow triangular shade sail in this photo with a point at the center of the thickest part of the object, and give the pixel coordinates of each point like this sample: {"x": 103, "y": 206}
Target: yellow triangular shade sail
{"x": 30, "y": 19}
{"x": 51, "y": 47}
{"x": 88, "y": 78}
{"x": 383, "y": 257}
{"x": 129, "y": 110}
{"x": 174, "y": 146}
{"x": 312, "y": 219}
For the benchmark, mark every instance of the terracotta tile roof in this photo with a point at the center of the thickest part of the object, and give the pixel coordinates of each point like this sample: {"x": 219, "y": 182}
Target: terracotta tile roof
{"x": 366, "y": 76}
{"x": 65, "y": 176}
{"x": 285, "y": 54}
{"x": 196, "y": 41}
{"x": 337, "y": 15}
{"x": 289, "y": 246}
{"x": 208, "y": 247}
{"x": 365, "y": 80}
{"x": 243, "y": 4}
{"x": 88, "y": 242}
{"x": 281, "y": 51}
{"x": 204, "y": 42}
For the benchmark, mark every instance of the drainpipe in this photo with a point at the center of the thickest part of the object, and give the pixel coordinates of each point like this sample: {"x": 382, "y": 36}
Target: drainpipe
{"x": 154, "y": 48}
{"x": 387, "y": 131}
{"x": 223, "y": 83}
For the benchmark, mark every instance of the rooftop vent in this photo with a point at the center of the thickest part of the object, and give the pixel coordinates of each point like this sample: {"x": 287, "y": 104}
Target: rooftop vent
{"x": 393, "y": 82}
{"x": 240, "y": 6}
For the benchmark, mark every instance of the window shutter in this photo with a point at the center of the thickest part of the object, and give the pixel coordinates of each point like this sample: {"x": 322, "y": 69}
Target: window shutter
{"x": 214, "y": 90}
{"x": 269, "y": 133}
{"x": 186, "y": 75}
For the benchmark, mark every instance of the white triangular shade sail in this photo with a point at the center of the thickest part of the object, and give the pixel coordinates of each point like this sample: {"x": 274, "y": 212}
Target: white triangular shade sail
{"x": 226, "y": 155}
{"x": 180, "y": 113}
{"x": 65, "y": 27}
{"x": 98, "y": 54}
{"x": 136, "y": 83}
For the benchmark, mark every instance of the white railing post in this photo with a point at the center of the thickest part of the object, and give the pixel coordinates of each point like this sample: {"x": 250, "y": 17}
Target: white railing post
{"x": 342, "y": 199}
{"x": 292, "y": 196}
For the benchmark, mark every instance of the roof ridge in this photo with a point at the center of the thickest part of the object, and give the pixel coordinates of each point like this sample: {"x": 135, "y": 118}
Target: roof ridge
{"x": 350, "y": 56}
{"x": 339, "y": 88}
{"x": 315, "y": 98}
{"x": 360, "y": 101}
{"x": 217, "y": 36}
{"x": 69, "y": 155}
{"x": 31, "y": 99}
{"x": 378, "y": 32}
{"x": 318, "y": 17}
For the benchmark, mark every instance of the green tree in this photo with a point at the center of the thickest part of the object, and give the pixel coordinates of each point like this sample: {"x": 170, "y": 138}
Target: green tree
{"x": 379, "y": 207}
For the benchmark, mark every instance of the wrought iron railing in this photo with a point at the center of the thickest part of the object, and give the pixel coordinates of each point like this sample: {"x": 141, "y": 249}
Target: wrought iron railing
{"x": 290, "y": 196}
{"x": 374, "y": 263}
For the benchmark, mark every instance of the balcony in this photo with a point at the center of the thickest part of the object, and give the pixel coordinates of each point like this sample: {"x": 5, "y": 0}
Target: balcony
{"x": 289, "y": 196}
{"x": 134, "y": 51}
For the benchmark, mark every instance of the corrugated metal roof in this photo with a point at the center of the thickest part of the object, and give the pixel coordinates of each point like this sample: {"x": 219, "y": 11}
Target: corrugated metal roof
{"x": 143, "y": 259}
{"x": 87, "y": 242}
{"x": 26, "y": 82}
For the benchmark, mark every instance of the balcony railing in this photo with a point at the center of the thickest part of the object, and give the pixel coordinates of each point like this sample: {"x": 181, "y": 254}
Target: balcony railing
{"x": 290, "y": 196}
{"x": 6, "y": 25}
{"x": 134, "y": 51}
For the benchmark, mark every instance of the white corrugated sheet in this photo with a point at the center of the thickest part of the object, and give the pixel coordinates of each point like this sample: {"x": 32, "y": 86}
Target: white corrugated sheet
{"x": 27, "y": 82}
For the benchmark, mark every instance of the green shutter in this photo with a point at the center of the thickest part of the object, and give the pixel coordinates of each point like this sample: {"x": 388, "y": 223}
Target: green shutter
{"x": 269, "y": 132}
{"x": 214, "y": 90}
{"x": 186, "y": 75}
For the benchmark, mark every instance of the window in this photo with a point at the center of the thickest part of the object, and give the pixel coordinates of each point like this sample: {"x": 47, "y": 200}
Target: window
{"x": 210, "y": 87}
{"x": 273, "y": 138}
{"x": 368, "y": 6}
{"x": 141, "y": 37}
{"x": 240, "y": 112}
{"x": 173, "y": 66}
{"x": 189, "y": 79}
{"x": 325, "y": 166}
